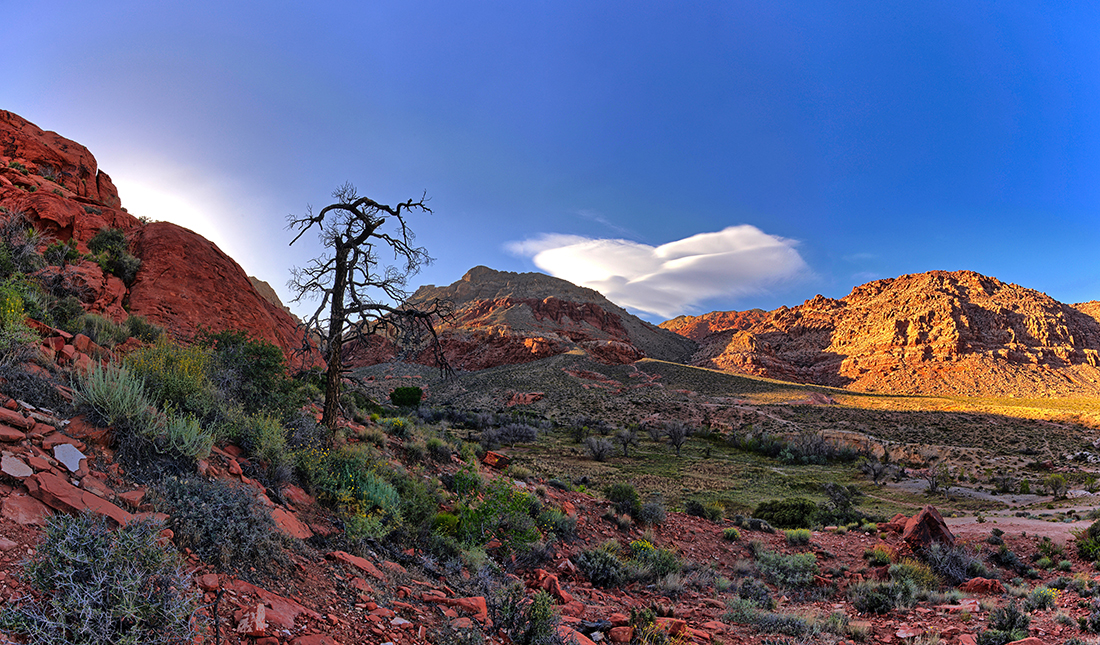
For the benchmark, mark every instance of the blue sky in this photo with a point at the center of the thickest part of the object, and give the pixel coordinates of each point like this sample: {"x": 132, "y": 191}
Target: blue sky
{"x": 682, "y": 157}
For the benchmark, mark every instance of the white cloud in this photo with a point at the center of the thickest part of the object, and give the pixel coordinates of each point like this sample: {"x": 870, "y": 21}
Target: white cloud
{"x": 668, "y": 280}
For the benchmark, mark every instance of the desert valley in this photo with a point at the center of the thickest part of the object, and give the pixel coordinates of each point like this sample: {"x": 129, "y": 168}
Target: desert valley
{"x": 916, "y": 462}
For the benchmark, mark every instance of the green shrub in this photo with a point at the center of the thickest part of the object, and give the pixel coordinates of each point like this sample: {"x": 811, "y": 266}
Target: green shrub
{"x": 1041, "y": 598}
{"x": 224, "y": 524}
{"x": 625, "y": 498}
{"x": 731, "y": 534}
{"x": 788, "y": 571}
{"x": 602, "y": 566}
{"x": 872, "y": 597}
{"x": 599, "y": 448}
{"x": 779, "y": 623}
{"x": 558, "y": 523}
{"x": 179, "y": 435}
{"x": 1088, "y": 542}
{"x": 712, "y": 511}
{"x": 102, "y": 331}
{"x": 505, "y": 514}
{"x": 653, "y": 562}
{"x": 406, "y": 397}
{"x": 791, "y": 513}
{"x": 954, "y": 565}
{"x": 652, "y": 512}
{"x": 439, "y": 450}
{"x": 140, "y": 328}
{"x": 252, "y": 372}
{"x": 879, "y": 555}
{"x": 266, "y": 438}
{"x": 112, "y": 397}
{"x": 102, "y": 587}
{"x": 798, "y": 537}
{"x": 918, "y": 573}
{"x": 1006, "y": 624}
{"x": 175, "y": 375}
{"x": 113, "y": 255}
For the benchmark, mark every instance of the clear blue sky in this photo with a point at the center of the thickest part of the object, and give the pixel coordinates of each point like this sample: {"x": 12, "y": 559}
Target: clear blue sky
{"x": 682, "y": 157}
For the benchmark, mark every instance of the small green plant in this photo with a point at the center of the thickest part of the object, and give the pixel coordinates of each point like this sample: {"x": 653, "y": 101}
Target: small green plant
{"x": 406, "y": 397}
{"x": 625, "y": 498}
{"x": 916, "y": 572}
{"x": 731, "y": 534}
{"x": 112, "y": 396}
{"x": 880, "y": 555}
{"x": 602, "y": 565}
{"x": 1041, "y": 598}
{"x": 712, "y": 511}
{"x": 873, "y": 597}
{"x": 112, "y": 252}
{"x": 798, "y": 537}
{"x": 101, "y": 587}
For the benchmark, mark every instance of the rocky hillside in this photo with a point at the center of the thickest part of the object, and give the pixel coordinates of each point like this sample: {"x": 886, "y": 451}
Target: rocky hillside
{"x": 184, "y": 281}
{"x": 504, "y": 318}
{"x": 935, "y": 333}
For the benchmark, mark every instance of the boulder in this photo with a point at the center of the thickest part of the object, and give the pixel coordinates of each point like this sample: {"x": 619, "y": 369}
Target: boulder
{"x": 926, "y": 527}
{"x": 254, "y": 622}
{"x": 983, "y": 587}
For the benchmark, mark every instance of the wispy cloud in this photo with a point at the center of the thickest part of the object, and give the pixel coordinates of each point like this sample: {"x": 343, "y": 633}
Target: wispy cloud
{"x": 668, "y": 280}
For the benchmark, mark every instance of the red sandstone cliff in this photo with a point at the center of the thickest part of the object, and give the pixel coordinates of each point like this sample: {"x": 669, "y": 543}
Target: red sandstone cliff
{"x": 184, "y": 282}
{"x": 939, "y": 332}
{"x": 504, "y": 318}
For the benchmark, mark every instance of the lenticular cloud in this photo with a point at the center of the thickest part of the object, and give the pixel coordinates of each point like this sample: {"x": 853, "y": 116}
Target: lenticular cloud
{"x": 667, "y": 280}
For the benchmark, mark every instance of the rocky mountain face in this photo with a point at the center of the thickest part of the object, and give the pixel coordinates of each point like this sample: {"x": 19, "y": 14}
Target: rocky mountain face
{"x": 504, "y": 318}
{"x": 184, "y": 281}
{"x": 937, "y": 333}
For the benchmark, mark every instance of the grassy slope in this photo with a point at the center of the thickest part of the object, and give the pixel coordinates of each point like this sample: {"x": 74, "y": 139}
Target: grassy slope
{"x": 975, "y": 434}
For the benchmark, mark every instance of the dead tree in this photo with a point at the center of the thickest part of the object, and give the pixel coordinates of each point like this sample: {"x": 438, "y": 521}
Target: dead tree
{"x": 361, "y": 296}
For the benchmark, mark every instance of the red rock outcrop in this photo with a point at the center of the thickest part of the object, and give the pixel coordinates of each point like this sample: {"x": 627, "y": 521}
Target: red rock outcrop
{"x": 504, "y": 318}
{"x": 185, "y": 281}
{"x": 934, "y": 333}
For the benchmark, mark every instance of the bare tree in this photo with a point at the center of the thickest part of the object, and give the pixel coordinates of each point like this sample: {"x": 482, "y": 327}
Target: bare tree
{"x": 360, "y": 296}
{"x": 627, "y": 437}
{"x": 677, "y": 433}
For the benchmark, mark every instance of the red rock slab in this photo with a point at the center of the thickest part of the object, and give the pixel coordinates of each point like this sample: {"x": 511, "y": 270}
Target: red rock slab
{"x": 288, "y": 523}
{"x": 15, "y": 419}
{"x": 621, "y": 634}
{"x": 209, "y": 582}
{"x": 315, "y": 639}
{"x": 59, "y": 494}
{"x": 25, "y": 510}
{"x": 254, "y": 622}
{"x": 296, "y": 496}
{"x": 11, "y": 435}
{"x": 56, "y": 439}
{"x": 1030, "y": 640}
{"x": 473, "y": 605}
{"x": 982, "y": 587}
{"x": 570, "y": 635}
{"x": 133, "y": 498}
{"x": 281, "y": 612}
{"x": 362, "y": 564}
{"x": 97, "y": 486}
{"x": 79, "y": 428}
{"x": 496, "y": 460}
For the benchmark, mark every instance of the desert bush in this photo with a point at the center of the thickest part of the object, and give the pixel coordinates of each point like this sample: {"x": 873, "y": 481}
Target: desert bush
{"x": 919, "y": 573}
{"x": 652, "y": 513}
{"x": 954, "y": 565}
{"x": 113, "y": 255}
{"x": 224, "y": 523}
{"x": 175, "y": 375}
{"x": 33, "y": 386}
{"x": 790, "y": 513}
{"x": 712, "y": 511}
{"x": 102, "y": 587}
{"x": 783, "y": 623}
{"x": 19, "y": 242}
{"x": 506, "y": 514}
{"x": 112, "y": 397}
{"x": 798, "y": 537}
{"x": 880, "y": 555}
{"x": 347, "y": 479}
{"x": 554, "y": 521}
{"x": 252, "y": 372}
{"x": 14, "y": 332}
{"x": 510, "y": 433}
{"x": 406, "y": 397}
{"x": 625, "y": 498}
{"x": 1041, "y": 598}
{"x": 600, "y": 449}
{"x": 787, "y": 571}
{"x": 438, "y": 449}
{"x": 1006, "y": 624}
{"x": 602, "y": 566}
{"x": 140, "y": 328}
{"x": 60, "y": 253}
{"x": 1056, "y": 484}
{"x": 1088, "y": 542}
{"x": 676, "y": 433}
{"x": 655, "y": 562}
{"x": 731, "y": 534}
{"x": 872, "y": 597}
{"x": 814, "y": 448}
{"x": 102, "y": 331}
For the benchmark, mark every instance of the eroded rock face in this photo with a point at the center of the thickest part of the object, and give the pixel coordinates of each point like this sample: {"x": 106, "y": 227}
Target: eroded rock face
{"x": 504, "y": 318}
{"x": 936, "y": 333}
{"x": 184, "y": 282}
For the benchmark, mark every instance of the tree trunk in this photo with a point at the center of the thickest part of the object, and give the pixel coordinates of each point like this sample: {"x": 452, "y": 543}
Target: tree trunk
{"x": 335, "y": 339}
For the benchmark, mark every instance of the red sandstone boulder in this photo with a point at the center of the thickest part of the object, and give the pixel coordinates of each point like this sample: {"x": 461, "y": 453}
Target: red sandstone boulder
{"x": 63, "y": 496}
{"x": 983, "y": 587}
{"x": 926, "y": 527}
